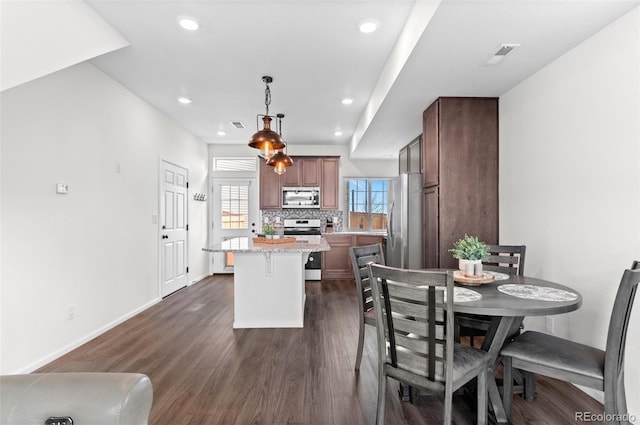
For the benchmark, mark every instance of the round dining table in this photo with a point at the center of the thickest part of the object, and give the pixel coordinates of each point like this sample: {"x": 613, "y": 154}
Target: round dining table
{"x": 508, "y": 300}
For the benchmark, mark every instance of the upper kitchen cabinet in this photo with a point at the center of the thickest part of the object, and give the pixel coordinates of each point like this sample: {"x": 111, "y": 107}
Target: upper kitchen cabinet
{"x": 270, "y": 188}
{"x": 319, "y": 171}
{"x": 460, "y": 174}
{"x": 305, "y": 172}
{"x": 430, "y": 145}
{"x": 330, "y": 183}
{"x": 410, "y": 158}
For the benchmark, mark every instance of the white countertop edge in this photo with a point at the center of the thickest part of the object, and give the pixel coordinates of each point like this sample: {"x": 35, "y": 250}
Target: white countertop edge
{"x": 245, "y": 244}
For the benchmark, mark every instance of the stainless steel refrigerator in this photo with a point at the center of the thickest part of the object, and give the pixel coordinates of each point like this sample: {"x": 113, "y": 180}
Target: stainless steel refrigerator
{"x": 404, "y": 225}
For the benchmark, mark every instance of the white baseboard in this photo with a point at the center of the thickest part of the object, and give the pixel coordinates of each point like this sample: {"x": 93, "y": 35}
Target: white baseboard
{"x": 77, "y": 343}
{"x": 198, "y": 279}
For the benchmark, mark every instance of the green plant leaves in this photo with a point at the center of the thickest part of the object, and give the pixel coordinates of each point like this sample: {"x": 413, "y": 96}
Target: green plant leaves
{"x": 469, "y": 248}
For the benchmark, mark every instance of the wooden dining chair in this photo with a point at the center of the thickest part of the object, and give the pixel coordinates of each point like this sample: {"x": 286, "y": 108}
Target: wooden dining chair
{"x": 361, "y": 256}
{"x": 507, "y": 259}
{"x": 412, "y": 345}
{"x": 577, "y": 363}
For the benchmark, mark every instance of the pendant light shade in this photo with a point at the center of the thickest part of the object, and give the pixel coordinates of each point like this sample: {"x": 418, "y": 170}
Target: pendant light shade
{"x": 266, "y": 139}
{"x": 280, "y": 160}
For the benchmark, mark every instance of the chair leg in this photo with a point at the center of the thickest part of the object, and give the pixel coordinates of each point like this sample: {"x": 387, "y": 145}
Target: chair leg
{"x": 448, "y": 403}
{"x": 615, "y": 403}
{"x": 382, "y": 397}
{"x": 360, "y": 344}
{"x": 529, "y": 385}
{"x": 482, "y": 397}
{"x": 507, "y": 393}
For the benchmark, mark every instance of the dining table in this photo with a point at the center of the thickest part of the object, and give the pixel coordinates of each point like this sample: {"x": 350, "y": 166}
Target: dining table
{"x": 508, "y": 299}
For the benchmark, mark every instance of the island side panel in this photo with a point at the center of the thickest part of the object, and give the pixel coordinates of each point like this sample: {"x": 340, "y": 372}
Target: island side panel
{"x": 269, "y": 293}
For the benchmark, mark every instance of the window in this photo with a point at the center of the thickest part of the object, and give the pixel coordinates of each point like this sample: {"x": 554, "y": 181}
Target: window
{"x": 234, "y": 164}
{"x": 367, "y": 204}
{"x": 234, "y": 201}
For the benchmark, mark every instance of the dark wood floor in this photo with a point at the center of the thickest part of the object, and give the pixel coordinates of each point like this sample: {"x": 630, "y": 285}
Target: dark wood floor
{"x": 204, "y": 372}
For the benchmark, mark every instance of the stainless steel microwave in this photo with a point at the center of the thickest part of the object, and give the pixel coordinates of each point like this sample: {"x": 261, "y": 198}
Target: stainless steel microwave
{"x": 300, "y": 197}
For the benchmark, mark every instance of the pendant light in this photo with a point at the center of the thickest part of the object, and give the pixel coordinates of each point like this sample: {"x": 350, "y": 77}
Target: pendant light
{"x": 280, "y": 160}
{"x": 266, "y": 139}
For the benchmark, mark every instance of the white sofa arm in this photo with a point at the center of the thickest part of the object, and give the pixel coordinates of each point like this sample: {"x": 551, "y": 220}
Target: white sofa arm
{"x": 87, "y": 398}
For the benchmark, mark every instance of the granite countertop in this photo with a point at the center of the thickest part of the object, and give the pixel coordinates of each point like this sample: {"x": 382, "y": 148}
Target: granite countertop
{"x": 246, "y": 244}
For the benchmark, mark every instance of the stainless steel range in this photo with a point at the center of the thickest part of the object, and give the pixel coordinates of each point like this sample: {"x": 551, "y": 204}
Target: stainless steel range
{"x": 307, "y": 229}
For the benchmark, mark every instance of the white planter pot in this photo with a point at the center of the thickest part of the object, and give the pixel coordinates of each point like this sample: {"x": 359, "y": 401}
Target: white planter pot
{"x": 468, "y": 266}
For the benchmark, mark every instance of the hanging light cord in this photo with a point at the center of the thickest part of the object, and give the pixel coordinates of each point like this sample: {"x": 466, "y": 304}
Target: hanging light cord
{"x": 267, "y": 97}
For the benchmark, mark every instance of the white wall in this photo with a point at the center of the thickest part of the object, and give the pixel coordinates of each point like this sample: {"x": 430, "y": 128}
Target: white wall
{"x": 41, "y": 37}
{"x": 97, "y": 247}
{"x": 570, "y": 179}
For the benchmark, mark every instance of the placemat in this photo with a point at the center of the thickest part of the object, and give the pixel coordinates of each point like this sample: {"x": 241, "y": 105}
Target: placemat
{"x": 540, "y": 293}
{"x": 498, "y": 275}
{"x": 462, "y": 295}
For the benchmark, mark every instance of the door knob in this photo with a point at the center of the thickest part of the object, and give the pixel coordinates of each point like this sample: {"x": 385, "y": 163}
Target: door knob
{"x": 165, "y": 237}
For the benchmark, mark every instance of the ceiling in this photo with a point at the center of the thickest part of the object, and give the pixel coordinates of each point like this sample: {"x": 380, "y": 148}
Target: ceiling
{"x": 316, "y": 56}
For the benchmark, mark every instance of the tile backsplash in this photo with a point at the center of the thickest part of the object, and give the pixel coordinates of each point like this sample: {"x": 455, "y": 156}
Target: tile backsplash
{"x": 323, "y": 215}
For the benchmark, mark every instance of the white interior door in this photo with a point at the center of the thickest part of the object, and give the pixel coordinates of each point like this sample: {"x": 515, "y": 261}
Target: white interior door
{"x": 234, "y": 214}
{"x": 173, "y": 228}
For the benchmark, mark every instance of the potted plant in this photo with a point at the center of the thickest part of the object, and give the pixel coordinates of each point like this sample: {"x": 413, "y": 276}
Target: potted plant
{"x": 268, "y": 231}
{"x": 469, "y": 250}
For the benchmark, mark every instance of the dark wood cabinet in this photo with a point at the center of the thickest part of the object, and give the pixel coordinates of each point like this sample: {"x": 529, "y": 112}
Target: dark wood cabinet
{"x": 403, "y": 160}
{"x": 431, "y": 228}
{"x": 330, "y": 183}
{"x": 317, "y": 171}
{"x": 460, "y": 175}
{"x": 336, "y": 264}
{"x": 410, "y": 158}
{"x": 430, "y": 151}
{"x": 270, "y": 188}
{"x": 305, "y": 172}
{"x": 415, "y": 155}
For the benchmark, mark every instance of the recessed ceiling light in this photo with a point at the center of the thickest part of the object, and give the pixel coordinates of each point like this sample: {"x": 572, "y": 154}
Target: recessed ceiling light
{"x": 188, "y": 23}
{"x": 222, "y": 133}
{"x": 368, "y": 26}
{"x": 337, "y": 133}
{"x": 184, "y": 100}
{"x": 347, "y": 101}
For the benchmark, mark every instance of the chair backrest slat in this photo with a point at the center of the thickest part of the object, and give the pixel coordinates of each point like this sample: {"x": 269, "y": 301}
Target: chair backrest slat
{"x": 361, "y": 256}
{"x": 410, "y": 305}
{"x": 507, "y": 259}
{"x": 619, "y": 322}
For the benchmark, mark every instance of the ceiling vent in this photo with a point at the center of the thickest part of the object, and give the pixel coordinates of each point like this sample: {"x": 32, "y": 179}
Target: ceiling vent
{"x": 238, "y": 124}
{"x": 500, "y": 54}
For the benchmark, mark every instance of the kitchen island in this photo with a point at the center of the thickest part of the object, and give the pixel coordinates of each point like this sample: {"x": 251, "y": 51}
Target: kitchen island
{"x": 268, "y": 281}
